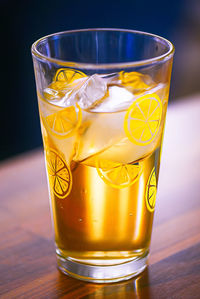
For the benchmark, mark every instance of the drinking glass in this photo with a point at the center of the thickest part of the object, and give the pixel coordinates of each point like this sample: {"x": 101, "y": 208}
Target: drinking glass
{"x": 102, "y": 96}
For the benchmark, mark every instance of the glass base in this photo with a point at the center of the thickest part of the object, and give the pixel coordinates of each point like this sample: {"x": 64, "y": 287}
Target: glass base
{"x": 110, "y": 270}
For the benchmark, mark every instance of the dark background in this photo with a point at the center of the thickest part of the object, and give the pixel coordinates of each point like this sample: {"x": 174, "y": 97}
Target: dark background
{"x": 23, "y": 22}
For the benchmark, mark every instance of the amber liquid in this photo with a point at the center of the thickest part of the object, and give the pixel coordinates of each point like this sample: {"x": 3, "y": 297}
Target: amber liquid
{"x": 97, "y": 221}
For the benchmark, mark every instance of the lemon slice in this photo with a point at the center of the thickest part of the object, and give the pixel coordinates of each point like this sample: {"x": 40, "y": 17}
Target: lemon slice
{"x": 68, "y": 75}
{"x": 135, "y": 80}
{"x": 118, "y": 175}
{"x": 142, "y": 120}
{"x": 63, "y": 123}
{"x": 60, "y": 178}
{"x": 63, "y": 82}
{"x": 151, "y": 191}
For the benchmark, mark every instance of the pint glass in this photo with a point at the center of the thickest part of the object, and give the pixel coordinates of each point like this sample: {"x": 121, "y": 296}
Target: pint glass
{"x": 103, "y": 96}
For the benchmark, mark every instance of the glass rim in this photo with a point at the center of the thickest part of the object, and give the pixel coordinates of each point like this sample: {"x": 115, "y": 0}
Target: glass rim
{"x": 81, "y": 65}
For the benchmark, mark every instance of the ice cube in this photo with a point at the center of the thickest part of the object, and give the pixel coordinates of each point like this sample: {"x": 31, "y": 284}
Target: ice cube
{"x": 93, "y": 90}
{"x": 63, "y": 94}
{"x": 104, "y": 130}
{"x": 87, "y": 92}
{"x": 56, "y": 91}
{"x": 51, "y": 94}
{"x": 117, "y": 99}
{"x": 53, "y": 97}
{"x": 105, "y": 134}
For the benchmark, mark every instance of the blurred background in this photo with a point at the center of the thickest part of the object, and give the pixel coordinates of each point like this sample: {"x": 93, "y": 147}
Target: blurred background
{"x": 24, "y": 21}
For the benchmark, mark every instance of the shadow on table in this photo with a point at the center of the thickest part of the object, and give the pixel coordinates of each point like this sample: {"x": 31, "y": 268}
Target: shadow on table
{"x": 133, "y": 288}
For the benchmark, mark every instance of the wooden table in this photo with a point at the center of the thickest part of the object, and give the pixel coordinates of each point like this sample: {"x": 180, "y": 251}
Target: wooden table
{"x": 27, "y": 256}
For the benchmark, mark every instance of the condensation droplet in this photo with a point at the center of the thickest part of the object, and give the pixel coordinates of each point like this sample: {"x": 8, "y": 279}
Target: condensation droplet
{"x": 80, "y": 219}
{"x": 131, "y": 214}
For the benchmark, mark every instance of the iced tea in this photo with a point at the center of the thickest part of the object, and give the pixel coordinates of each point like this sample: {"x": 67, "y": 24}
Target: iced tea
{"x": 102, "y": 138}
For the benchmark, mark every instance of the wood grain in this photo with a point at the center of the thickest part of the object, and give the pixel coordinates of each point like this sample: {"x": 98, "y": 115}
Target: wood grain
{"x": 27, "y": 256}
